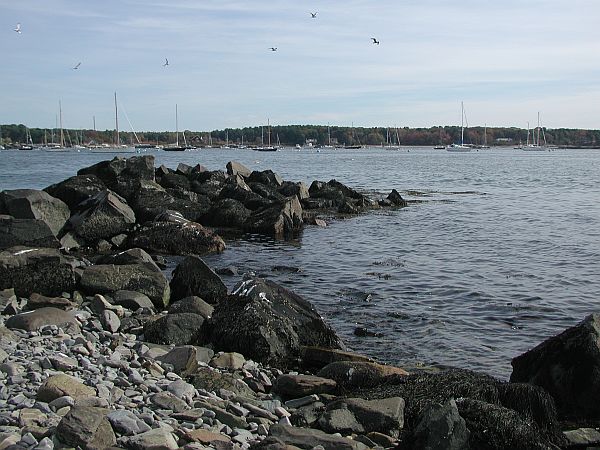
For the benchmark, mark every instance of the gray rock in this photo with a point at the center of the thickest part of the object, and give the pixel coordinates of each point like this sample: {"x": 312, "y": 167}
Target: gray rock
{"x": 183, "y": 359}
{"x": 441, "y": 427}
{"x": 182, "y": 390}
{"x": 192, "y": 304}
{"x": 236, "y": 168}
{"x": 177, "y": 329}
{"x": 37, "y": 301}
{"x": 308, "y": 438}
{"x": 86, "y": 427}
{"x": 131, "y": 256}
{"x": 76, "y": 189}
{"x": 61, "y": 385}
{"x": 226, "y": 213}
{"x": 212, "y": 380}
{"x": 289, "y": 189}
{"x": 33, "y": 320}
{"x": 302, "y": 401}
{"x": 41, "y": 270}
{"x": 583, "y": 437}
{"x": 133, "y": 300}
{"x": 340, "y": 421}
{"x": 293, "y": 386}
{"x": 354, "y": 374}
{"x": 26, "y": 232}
{"x": 3, "y": 355}
{"x": 126, "y": 423}
{"x": 110, "y": 321}
{"x": 281, "y": 219}
{"x": 228, "y": 360}
{"x": 157, "y": 439}
{"x": 192, "y": 277}
{"x": 103, "y": 278}
{"x": 166, "y": 400}
{"x": 32, "y": 204}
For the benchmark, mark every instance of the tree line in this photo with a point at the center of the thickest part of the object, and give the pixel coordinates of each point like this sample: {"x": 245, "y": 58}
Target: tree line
{"x": 301, "y": 134}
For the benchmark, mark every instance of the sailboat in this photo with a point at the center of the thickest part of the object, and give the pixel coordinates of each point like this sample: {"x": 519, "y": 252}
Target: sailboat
{"x": 484, "y": 137}
{"x": 440, "y": 146}
{"x": 535, "y": 146}
{"x": 390, "y": 140}
{"x": 353, "y": 145}
{"x": 176, "y": 147}
{"x": 57, "y": 146}
{"x": 28, "y": 145}
{"x": 460, "y": 147}
{"x": 328, "y": 138}
{"x": 268, "y": 147}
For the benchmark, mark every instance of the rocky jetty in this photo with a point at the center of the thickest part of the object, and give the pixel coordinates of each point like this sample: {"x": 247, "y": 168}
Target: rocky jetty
{"x": 101, "y": 349}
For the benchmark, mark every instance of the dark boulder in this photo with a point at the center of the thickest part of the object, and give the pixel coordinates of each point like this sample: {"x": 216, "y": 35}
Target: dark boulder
{"x": 227, "y": 213}
{"x": 265, "y": 322}
{"x": 266, "y": 191}
{"x": 121, "y": 175}
{"x": 33, "y": 204}
{"x": 37, "y": 301}
{"x": 184, "y": 169}
{"x": 130, "y": 256}
{"x": 317, "y": 203}
{"x": 235, "y": 168}
{"x": 192, "y": 304}
{"x": 568, "y": 367}
{"x": 175, "y": 180}
{"x": 334, "y": 191}
{"x": 101, "y": 217}
{"x": 177, "y": 329}
{"x": 267, "y": 177}
{"x": 282, "y": 219}
{"x": 133, "y": 300}
{"x": 176, "y": 239}
{"x": 208, "y": 183}
{"x": 396, "y": 199}
{"x": 76, "y": 189}
{"x": 109, "y": 278}
{"x": 86, "y": 427}
{"x": 441, "y": 427}
{"x": 289, "y": 189}
{"x": 41, "y": 270}
{"x": 353, "y": 374}
{"x": 26, "y": 232}
{"x": 193, "y": 277}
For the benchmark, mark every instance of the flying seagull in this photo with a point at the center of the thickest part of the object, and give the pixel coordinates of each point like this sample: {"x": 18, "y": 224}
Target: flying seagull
{"x": 273, "y": 49}
{"x": 313, "y": 15}
{"x": 77, "y": 66}
{"x": 375, "y": 41}
{"x": 18, "y": 29}
{"x": 166, "y": 63}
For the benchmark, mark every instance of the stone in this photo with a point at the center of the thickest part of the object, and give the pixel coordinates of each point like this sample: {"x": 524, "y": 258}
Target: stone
{"x": 177, "y": 329}
{"x": 77, "y": 189}
{"x": 205, "y": 437}
{"x": 318, "y": 357}
{"x": 566, "y": 366}
{"x": 33, "y": 320}
{"x": 109, "y": 278}
{"x": 223, "y": 416}
{"x": 281, "y": 219}
{"x": 293, "y": 386}
{"x": 3, "y": 356}
{"x": 132, "y": 256}
{"x": 37, "y": 301}
{"x": 110, "y": 321}
{"x": 228, "y": 360}
{"x": 192, "y": 277}
{"x": 441, "y": 427}
{"x": 289, "y": 189}
{"x": 236, "y": 168}
{"x": 183, "y": 359}
{"x": 360, "y": 373}
{"x": 156, "y": 439}
{"x": 26, "y": 232}
{"x": 267, "y": 177}
{"x": 334, "y": 191}
{"x": 226, "y": 213}
{"x": 340, "y": 421}
{"x": 166, "y": 400}
{"x": 192, "y": 304}
{"x": 177, "y": 239}
{"x": 86, "y": 427}
{"x": 60, "y": 385}
{"x": 583, "y": 437}
{"x": 133, "y": 300}
{"x": 213, "y": 381}
{"x": 309, "y": 438}
{"x": 182, "y": 390}
{"x": 126, "y": 423}
{"x": 41, "y": 270}
{"x": 396, "y": 199}
{"x": 33, "y": 204}
{"x": 62, "y": 362}
{"x": 267, "y": 323}
{"x": 99, "y": 304}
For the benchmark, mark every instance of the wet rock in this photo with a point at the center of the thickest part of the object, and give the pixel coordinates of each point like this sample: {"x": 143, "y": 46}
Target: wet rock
{"x": 86, "y": 427}
{"x": 441, "y": 427}
{"x": 25, "y": 232}
{"x": 290, "y": 189}
{"x": 63, "y": 385}
{"x": 293, "y": 386}
{"x": 33, "y": 204}
{"x": 76, "y": 189}
{"x": 33, "y": 320}
{"x": 360, "y": 373}
{"x": 334, "y": 191}
{"x": 101, "y": 217}
{"x": 267, "y": 177}
{"x": 281, "y": 219}
{"x": 193, "y": 305}
{"x": 109, "y": 278}
{"x": 192, "y": 277}
{"x": 175, "y": 180}
{"x": 566, "y": 366}
{"x": 177, "y": 239}
{"x": 121, "y": 175}
{"x": 396, "y": 199}
{"x": 265, "y": 322}
{"x": 227, "y": 213}
{"x": 317, "y": 357}
{"x": 223, "y": 416}
{"x": 177, "y": 329}
{"x": 309, "y": 438}
{"x": 236, "y": 168}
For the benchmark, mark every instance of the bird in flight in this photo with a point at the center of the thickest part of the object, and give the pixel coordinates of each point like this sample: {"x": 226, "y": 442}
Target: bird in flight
{"x": 18, "y": 28}
{"x": 313, "y": 15}
{"x": 273, "y": 49}
{"x": 77, "y": 66}
{"x": 166, "y": 63}
{"x": 375, "y": 41}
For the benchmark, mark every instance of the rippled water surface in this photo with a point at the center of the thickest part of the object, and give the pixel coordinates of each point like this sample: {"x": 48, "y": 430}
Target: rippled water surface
{"x": 502, "y": 251}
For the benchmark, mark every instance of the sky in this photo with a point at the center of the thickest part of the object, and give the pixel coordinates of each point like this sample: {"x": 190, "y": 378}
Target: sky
{"x": 505, "y": 59}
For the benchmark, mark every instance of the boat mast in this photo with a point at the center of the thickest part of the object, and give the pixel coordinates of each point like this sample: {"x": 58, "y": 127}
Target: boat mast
{"x": 538, "y": 130}
{"x": 485, "y": 134}
{"x": 527, "y": 134}
{"x": 462, "y": 123}
{"x": 176, "y": 127}
{"x": 116, "y": 123}
{"x": 328, "y": 134}
{"x": 62, "y": 135}
{"x": 269, "y": 131}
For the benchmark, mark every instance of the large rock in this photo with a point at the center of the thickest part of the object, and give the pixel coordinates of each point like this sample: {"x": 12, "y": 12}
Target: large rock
{"x": 334, "y": 191}
{"x": 294, "y": 386}
{"x": 41, "y": 270}
{"x": 32, "y": 204}
{"x": 156, "y": 439}
{"x": 192, "y": 304}
{"x": 214, "y": 380}
{"x": 177, "y": 239}
{"x": 130, "y": 256}
{"x": 109, "y": 278}
{"x": 32, "y": 320}
{"x": 267, "y": 177}
{"x": 228, "y": 213}
{"x": 193, "y": 277}
{"x": 26, "y": 232}
{"x": 86, "y": 427}
{"x": 568, "y": 367}
{"x": 183, "y": 359}
{"x": 121, "y": 175}
{"x": 265, "y": 322}
{"x": 281, "y": 219}
{"x": 317, "y": 357}
{"x": 76, "y": 189}
{"x": 101, "y": 217}
{"x": 353, "y": 374}
{"x": 177, "y": 329}
{"x": 307, "y": 438}
{"x": 289, "y": 189}
{"x": 441, "y": 427}
{"x": 62, "y": 385}
{"x": 235, "y": 168}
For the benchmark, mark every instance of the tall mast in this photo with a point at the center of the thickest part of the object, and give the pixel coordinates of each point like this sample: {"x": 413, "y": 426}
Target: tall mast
{"x": 485, "y": 134}
{"x": 528, "y": 134}
{"x": 269, "y": 131}
{"x": 328, "y": 134}
{"x": 538, "y": 130}
{"x": 116, "y": 122}
{"x": 62, "y": 136}
{"x": 176, "y": 127}
{"x": 462, "y": 123}
{"x": 262, "y": 135}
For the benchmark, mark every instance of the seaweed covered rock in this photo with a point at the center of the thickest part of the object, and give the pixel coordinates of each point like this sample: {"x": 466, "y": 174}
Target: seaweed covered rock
{"x": 123, "y": 175}
{"x": 441, "y": 428}
{"x": 228, "y": 213}
{"x": 42, "y": 270}
{"x": 266, "y": 177}
{"x": 26, "y": 232}
{"x": 176, "y": 329}
{"x": 334, "y": 191}
{"x": 193, "y": 277}
{"x": 34, "y": 204}
{"x": 280, "y": 219}
{"x": 177, "y": 239}
{"x": 354, "y": 374}
{"x": 568, "y": 367}
{"x": 265, "y": 322}
{"x": 76, "y": 189}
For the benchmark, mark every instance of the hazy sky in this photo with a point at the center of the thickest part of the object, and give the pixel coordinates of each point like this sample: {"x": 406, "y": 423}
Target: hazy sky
{"x": 507, "y": 59}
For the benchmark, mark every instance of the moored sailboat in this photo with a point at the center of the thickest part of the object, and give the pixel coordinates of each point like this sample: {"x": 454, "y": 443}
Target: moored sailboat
{"x": 176, "y": 147}
{"x": 535, "y": 145}
{"x": 462, "y": 148}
